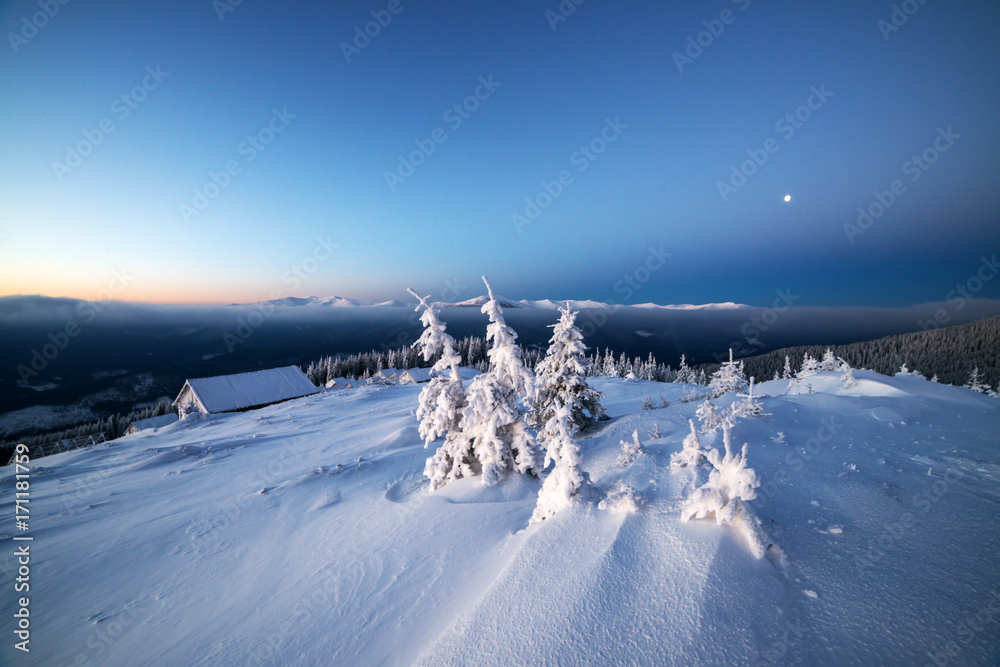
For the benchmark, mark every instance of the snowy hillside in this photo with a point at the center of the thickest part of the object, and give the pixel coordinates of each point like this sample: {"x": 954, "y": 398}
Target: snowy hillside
{"x": 305, "y": 533}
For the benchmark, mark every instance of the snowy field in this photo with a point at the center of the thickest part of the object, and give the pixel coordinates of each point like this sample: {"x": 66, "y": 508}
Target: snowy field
{"x": 305, "y": 533}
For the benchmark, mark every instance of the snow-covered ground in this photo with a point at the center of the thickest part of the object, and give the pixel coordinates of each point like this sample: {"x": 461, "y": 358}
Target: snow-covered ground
{"x": 305, "y": 533}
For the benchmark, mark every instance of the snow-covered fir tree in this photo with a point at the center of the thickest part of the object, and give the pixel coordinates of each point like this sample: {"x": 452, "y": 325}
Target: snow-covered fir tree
{"x": 443, "y": 398}
{"x": 906, "y": 372}
{"x": 828, "y": 362}
{"x": 975, "y": 383}
{"x": 654, "y": 433}
{"x": 492, "y": 418}
{"x": 730, "y": 485}
{"x": 561, "y": 379}
{"x": 684, "y": 374}
{"x": 749, "y": 406}
{"x": 787, "y": 372}
{"x": 847, "y": 380}
{"x": 691, "y": 454}
{"x": 728, "y": 378}
{"x": 731, "y": 481}
{"x": 630, "y": 450}
{"x": 442, "y": 401}
{"x": 562, "y": 451}
{"x": 809, "y": 367}
{"x": 710, "y": 416}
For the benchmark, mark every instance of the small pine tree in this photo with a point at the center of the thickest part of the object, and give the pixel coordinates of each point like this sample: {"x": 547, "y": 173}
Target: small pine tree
{"x": 441, "y": 402}
{"x": 787, "y": 373}
{"x": 562, "y": 379}
{"x": 728, "y": 378}
{"x": 730, "y": 485}
{"x": 829, "y": 362}
{"x": 654, "y": 433}
{"x": 710, "y": 416}
{"x": 975, "y": 382}
{"x": 809, "y": 367}
{"x": 630, "y": 450}
{"x": 566, "y": 478}
{"x": 691, "y": 454}
{"x": 684, "y": 374}
{"x": 847, "y": 380}
{"x": 492, "y": 418}
{"x": 748, "y": 407}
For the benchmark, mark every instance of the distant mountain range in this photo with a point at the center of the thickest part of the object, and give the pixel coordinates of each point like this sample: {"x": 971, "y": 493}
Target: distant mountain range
{"x": 477, "y": 302}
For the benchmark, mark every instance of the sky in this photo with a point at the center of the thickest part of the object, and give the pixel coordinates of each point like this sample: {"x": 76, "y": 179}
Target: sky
{"x": 200, "y": 152}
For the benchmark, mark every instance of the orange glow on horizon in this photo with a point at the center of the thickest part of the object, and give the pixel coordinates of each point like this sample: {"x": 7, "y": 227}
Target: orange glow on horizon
{"x": 164, "y": 297}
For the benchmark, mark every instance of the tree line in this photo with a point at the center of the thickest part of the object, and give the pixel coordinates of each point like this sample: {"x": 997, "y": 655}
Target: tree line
{"x": 951, "y": 354}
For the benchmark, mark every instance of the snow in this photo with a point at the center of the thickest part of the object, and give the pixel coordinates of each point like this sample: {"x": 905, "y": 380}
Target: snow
{"x": 243, "y": 390}
{"x": 154, "y": 422}
{"x": 305, "y": 533}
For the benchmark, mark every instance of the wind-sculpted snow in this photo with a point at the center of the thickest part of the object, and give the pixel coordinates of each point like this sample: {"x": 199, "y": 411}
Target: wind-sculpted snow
{"x": 304, "y": 533}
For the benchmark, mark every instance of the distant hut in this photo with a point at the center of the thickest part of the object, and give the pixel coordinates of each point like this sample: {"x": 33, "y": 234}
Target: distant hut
{"x": 387, "y": 375}
{"x": 415, "y": 376}
{"x": 342, "y": 383}
{"x": 243, "y": 391}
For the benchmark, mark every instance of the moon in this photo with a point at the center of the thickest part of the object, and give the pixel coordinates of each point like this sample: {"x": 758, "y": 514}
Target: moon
{"x": 788, "y": 198}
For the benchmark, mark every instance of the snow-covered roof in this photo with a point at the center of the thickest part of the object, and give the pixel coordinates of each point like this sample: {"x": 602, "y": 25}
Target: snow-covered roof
{"x": 416, "y": 375}
{"x": 341, "y": 382}
{"x": 154, "y": 422}
{"x": 388, "y": 372}
{"x": 226, "y": 393}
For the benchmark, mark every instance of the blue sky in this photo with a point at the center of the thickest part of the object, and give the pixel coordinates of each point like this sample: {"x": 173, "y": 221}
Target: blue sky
{"x": 321, "y": 180}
